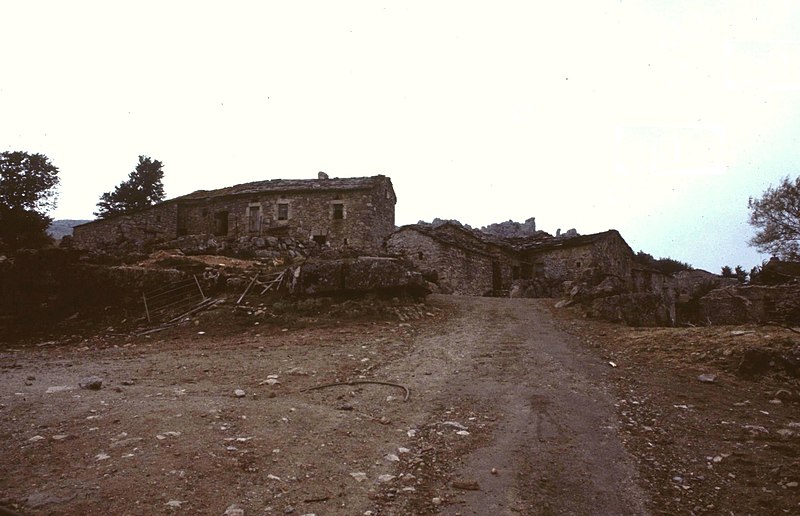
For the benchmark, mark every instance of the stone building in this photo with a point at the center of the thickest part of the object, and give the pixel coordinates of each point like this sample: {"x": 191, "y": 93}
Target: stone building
{"x": 470, "y": 262}
{"x": 338, "y": 212}
{"x": 462, "y": 262}
{"x": 578, "y": 259}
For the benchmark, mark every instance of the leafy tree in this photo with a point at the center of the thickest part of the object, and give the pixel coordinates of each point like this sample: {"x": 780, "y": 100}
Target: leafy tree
{"x": 727, "y": 272}
{"x": 27, "y": 190}
{"x": 142, "y": 189}
{"x": 776, "y": 217}
{"x": 664, "y": 265}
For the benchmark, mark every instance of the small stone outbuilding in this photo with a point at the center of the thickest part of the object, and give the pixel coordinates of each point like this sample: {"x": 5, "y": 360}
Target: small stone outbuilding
{"x": 337, "y": 212}
{"x": 462, "y": 261}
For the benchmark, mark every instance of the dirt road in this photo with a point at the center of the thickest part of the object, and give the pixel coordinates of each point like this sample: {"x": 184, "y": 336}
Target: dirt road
{"x": 506, "y": 415}
{"x": 553, "y": 447}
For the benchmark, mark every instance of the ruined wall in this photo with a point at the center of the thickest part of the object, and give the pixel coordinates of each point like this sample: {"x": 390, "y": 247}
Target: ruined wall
{"x": 459, "y": 271}
{"x": 152, "y": 225}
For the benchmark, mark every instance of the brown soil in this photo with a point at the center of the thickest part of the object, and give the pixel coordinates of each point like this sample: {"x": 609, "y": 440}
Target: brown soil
{"x": 513, "y": 409}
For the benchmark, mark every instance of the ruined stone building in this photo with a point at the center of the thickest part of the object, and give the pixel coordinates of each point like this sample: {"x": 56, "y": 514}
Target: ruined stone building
{"x": 355, "y": 212}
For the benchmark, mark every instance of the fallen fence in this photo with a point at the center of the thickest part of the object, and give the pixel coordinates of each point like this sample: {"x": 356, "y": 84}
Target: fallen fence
{"x": 174, "y": 300}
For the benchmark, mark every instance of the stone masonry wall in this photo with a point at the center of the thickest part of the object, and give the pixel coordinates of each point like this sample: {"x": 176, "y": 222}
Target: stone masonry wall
{"x": 459, "y": 271}
{"x": 310, "y": 214}
{"x": 360, "y": 218}
{"x": 590, "y": 262}
{"x": 155, "y": 224}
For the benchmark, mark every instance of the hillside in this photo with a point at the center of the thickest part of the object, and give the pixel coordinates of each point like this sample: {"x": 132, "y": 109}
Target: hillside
{"x": 61, "y": 228}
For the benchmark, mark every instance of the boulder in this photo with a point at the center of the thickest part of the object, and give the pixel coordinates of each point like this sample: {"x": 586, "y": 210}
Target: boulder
{"x": 634, "y": 309}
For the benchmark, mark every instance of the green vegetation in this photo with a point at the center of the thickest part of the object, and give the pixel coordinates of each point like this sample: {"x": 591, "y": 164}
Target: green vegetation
{"x": 27, "y": 191}
{"x": 665, "y": 265}
{"x": 142, "y": 189}
{"x": 776, "y": 217}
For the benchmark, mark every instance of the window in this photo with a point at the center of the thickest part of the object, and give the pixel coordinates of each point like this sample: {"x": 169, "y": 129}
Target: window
{"x": 420, "y": 255}
{"x": 253, "y": 218}
{"x": 320, "y": 239}
{"x": 526, "y": 271}
{"x": 221, "y": 223}
{"x": 283, "y": 211}
{"x": 338, "y": 211}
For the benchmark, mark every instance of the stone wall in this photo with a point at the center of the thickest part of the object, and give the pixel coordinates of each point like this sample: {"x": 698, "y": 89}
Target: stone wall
{"x": 459, "y": 271}
{"x": 691, "y": 283}
{"x": 588, "y": 261}
{"x": 155, "y": 224}
{"x": 360, "y": 218}
{"x": 309, "y": 217}
{"x": 365, "y": 274}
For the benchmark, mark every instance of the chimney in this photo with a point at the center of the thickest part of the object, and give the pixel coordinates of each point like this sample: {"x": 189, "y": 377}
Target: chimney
{"x": 322, "y": 175}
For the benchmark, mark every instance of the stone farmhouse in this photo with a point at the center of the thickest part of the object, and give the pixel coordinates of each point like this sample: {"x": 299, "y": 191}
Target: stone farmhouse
{"x": 585, "y": 268}
{"x": 356, "y": 212}
{"x": 471, "y": 262}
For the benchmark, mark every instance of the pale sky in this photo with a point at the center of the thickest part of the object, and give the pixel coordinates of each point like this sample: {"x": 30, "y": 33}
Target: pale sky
{"x": 655, "y": 118}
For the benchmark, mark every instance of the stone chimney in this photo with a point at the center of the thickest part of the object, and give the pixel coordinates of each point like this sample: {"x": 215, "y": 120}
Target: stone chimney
{"x": 322, "y": 175}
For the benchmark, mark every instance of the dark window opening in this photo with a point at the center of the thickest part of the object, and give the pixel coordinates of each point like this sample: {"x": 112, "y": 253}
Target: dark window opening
{"x": 283, "y": 211}
{"x": 578, "y": 264}
{"x": 338, "y": 211}
{"x": 527, "y": 271}
{"x": 497, "y": 276}
{"x": 346, "y": 242}
{"x": 182, "y": 230}
{"x": 253, "y": 216}
{"x": 221, "y": 223}
{"x": 320, "y": 239}
{"x": 421, "y": 255}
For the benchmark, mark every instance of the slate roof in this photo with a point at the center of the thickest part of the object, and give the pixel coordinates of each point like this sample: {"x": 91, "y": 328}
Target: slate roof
{"x": 475, "y": 240}
{"x": 287, "y": 186}
{"x": 470, "y": 241}
{"x": 565, "y": 242}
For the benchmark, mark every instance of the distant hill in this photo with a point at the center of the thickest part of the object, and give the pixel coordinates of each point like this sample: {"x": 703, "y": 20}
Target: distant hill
{"x": 61, "y": 228}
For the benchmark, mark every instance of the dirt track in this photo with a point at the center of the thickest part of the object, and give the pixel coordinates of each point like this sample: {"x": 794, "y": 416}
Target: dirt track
{"x": 507, "y": 415}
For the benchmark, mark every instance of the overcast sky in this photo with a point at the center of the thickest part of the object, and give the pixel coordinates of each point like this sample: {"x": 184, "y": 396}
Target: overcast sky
{"x": 656, "y": 118}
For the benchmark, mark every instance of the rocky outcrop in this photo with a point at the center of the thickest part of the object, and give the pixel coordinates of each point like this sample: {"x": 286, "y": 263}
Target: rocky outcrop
{"x": 754, "y": 303}
{"x": 359, "y": 275}
{"x": 511, "y": 229}
{"x": 634, "y": 309}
